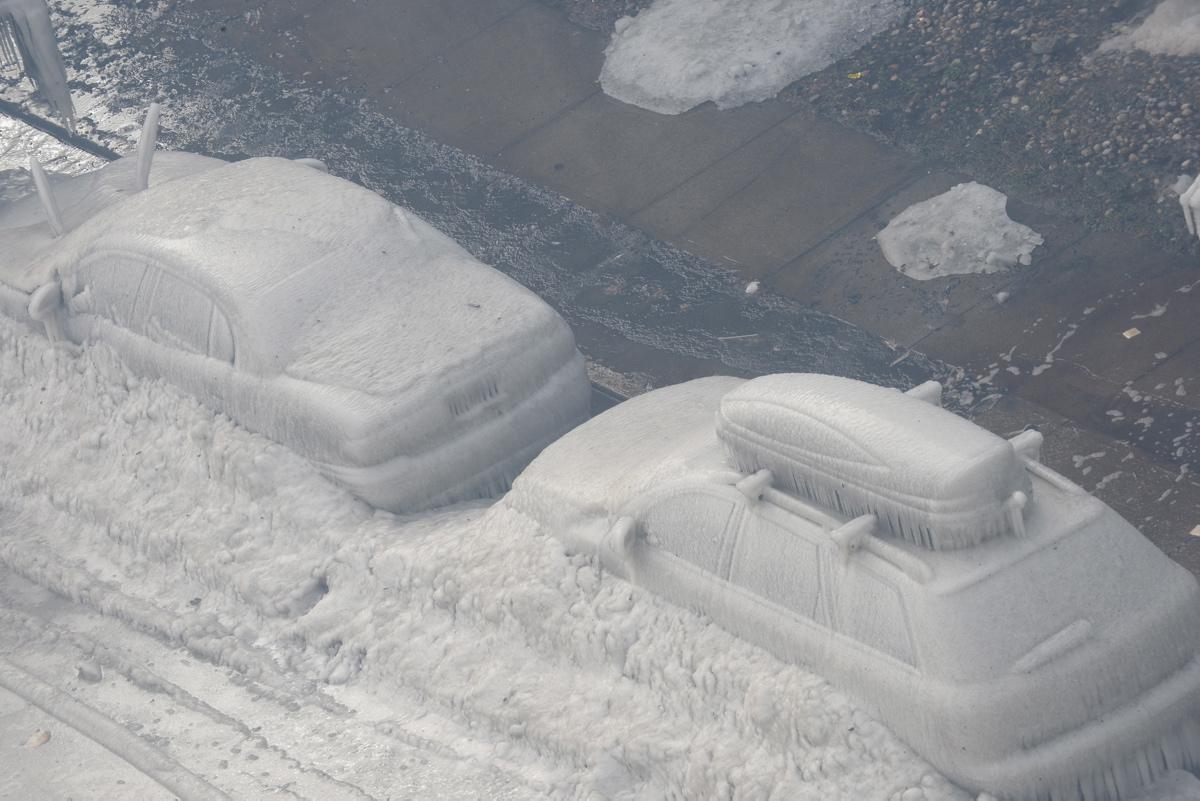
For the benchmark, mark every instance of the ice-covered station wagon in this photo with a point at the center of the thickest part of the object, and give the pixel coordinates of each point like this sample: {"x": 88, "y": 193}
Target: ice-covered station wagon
{"x": 306, "y": 308}
{"x": 1010, "y": 627}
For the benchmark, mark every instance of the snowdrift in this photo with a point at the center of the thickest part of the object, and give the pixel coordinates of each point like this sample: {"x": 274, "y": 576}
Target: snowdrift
{"x": 930, "y": 476}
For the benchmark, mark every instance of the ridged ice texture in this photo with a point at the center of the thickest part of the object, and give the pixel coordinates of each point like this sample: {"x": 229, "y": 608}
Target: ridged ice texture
{"x": 27, "y": 41}
{"x": 929, "y": 476}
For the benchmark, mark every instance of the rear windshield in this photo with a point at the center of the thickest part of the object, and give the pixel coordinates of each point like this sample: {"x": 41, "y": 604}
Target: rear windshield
{"x": 1100, "y": 569}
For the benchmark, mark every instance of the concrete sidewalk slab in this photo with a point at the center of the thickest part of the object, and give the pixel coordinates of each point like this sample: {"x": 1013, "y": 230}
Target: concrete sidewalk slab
{"x": 1165, "y": 321}
{"x": 1048, "y": 304}
{"x": 1176, "y": 378}
{"x": 385, "y": 43}
{"x": 618, "y": 158}
{"x": 792, "y": 199}
{"x": 503, "y": 84}
{"x": 848, "y": 276}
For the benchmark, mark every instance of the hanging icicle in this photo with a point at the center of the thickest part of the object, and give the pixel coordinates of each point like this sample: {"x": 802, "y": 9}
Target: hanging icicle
{"x": 28, "y": 46}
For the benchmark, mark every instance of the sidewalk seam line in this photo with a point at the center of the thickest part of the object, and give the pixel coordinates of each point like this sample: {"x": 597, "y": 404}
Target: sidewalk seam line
{"x": 909, "y": 178}
{"x": 720, "y": 159}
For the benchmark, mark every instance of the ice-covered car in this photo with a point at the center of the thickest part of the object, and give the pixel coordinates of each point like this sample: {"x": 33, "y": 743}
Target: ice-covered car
{"x": 1050, "y": 651}
{"x": 306, "y": 308}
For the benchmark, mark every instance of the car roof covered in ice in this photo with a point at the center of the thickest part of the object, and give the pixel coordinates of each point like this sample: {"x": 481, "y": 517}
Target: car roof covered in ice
{"x": 321, "y": 278}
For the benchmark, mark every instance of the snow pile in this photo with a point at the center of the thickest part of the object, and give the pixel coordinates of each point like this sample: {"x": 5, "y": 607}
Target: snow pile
{"x": 1172, "y": 29}
{"x": 129, "y": 497}
{"x": 678, "y": 54}
{"x": 963, "y": 231}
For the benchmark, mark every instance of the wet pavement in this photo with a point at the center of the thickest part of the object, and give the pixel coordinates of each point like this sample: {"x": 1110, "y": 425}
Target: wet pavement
{"x": 649, "y": 227}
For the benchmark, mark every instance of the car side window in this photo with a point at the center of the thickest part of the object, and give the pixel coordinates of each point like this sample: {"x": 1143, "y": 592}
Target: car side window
{"x": 776, "y": 564}
{"x": 692, "y": 526}
{"x": 179, "y": 315}
{"x": 871, "y": 611}
{"x": 108, "y": 286}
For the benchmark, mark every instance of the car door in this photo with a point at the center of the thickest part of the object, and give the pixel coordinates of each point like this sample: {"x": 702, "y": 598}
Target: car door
{"x": 102, "y": 295}
{"x": 779, "y": 591}
{"x": 162, "y": 325}
{"x": 682, "y": 551}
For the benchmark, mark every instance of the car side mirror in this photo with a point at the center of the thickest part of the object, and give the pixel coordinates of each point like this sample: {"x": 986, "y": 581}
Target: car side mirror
{"x": 616, "y": 548}
{"x": 753, "y": 486}
{"x": 44, "y": 306}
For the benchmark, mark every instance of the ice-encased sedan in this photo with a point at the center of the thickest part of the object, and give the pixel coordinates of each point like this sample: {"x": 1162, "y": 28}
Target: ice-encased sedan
{"x": 1051, "y": 656}
{"x": 306, "y": 308}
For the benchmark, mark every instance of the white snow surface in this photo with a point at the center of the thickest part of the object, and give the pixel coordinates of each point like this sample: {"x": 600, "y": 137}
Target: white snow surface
{"x": 1172, "y": 29}
{"x": 963, "y": 231}
{"x": 136, "y": 502}
{"x": 677, "y": 54}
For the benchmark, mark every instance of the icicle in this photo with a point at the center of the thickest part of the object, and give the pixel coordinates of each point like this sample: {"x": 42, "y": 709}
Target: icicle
{"x": 49, "y": 204}
{"x": 1014, "y": 507}
{"x": 146, "y": 145}
{"x": 27, "y": 37}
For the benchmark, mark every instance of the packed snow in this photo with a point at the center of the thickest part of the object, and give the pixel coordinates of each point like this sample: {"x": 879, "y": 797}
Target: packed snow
{"x": 963, "y": 231}
{"x": 1171, "y": 29}
{"x": 677, "y": 54}
{"x": 132, "y": 499}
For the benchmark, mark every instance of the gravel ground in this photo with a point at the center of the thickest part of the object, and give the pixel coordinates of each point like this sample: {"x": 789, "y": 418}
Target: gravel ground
{"x": 1013, "y": 93}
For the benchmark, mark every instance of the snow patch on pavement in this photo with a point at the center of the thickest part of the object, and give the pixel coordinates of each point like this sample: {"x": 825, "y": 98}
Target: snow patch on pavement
{"x": 964, "y": 231}
{"x": 1172, "y": 29}
{"x": 678, "y": 54}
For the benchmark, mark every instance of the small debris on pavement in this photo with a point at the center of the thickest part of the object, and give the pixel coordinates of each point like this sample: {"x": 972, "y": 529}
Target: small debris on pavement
{"x": 752, "y": 288}
{"x": 1000, "y": 297}
{"x": 90, "y": 671}
{"x": 1195, "y": 532}
{"x": 1130, "y": 333}
{"x": 39, "y": 737}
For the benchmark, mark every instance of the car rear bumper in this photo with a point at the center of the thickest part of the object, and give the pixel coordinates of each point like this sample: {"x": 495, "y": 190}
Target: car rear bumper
{"x": 481, "y": 461}
{"x": 1108, "y": 759}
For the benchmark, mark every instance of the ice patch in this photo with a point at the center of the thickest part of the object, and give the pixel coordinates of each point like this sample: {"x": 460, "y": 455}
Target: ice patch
{"x": 678, "y": 54}
{"x": 960, "y": 232}
{"x": 1172, "y": 29}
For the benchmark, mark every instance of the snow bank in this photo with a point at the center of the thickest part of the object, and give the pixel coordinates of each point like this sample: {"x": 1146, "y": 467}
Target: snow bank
{"x": 963, "y": 231}
{"x": 1172, "y": 29}
{"x": 130, "y": 497}
{"x": 678, "y": 54}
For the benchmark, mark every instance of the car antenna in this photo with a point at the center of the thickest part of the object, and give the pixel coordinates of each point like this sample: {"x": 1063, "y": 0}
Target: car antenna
{"x": 145, "y": 148}
{"x": 49, "y": 205}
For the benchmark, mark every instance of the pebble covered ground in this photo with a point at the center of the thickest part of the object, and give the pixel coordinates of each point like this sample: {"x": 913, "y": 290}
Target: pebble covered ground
{"x": 1014, "y": 94}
